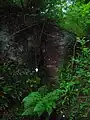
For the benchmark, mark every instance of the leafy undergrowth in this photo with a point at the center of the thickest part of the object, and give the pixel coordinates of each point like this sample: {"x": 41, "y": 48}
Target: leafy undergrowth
{"x": 72, "y": 98}
{"x": 15, "y": 82}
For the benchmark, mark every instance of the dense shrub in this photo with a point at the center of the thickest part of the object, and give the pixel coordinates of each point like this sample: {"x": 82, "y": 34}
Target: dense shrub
{"x": 15, "y": 82}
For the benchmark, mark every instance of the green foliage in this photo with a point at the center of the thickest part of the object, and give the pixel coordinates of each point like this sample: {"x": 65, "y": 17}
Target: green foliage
{"x": 76, "y": 19}
{"x": 73, "y": 17}
{"x": 75, "y": 79}
{"x": 36, "y": 104}
{"x": 72, "y": 96}
{"x": 30, "y": 101}
{"x": 49, "y": 7}
{"x": 15, "y": 81}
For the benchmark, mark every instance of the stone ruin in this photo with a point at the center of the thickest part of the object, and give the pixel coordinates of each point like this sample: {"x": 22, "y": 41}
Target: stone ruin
{"x": 34, "y": 43}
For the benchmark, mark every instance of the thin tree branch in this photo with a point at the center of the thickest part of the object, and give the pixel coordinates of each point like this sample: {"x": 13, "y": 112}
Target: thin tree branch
{"x": 23, "y": 30}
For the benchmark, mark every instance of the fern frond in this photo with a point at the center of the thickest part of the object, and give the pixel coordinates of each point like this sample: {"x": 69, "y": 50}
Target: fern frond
{"x": 31, "y": 100}
{"x": 28, "y": 111}
{"x": 39, "y": 108}
{"x": 34, "y": 103}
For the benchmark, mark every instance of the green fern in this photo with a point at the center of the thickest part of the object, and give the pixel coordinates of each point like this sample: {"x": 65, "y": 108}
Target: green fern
{"x": 31, "y": 99}
{"x": 35, "y": 104}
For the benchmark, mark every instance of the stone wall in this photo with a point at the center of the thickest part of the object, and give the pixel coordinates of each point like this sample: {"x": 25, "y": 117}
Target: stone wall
{"x": 58, "y": 47}
{"x": 35, "y": 43}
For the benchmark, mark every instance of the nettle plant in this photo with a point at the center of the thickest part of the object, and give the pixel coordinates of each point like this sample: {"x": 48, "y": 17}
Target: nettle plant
{"x": 72, "y": 97}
